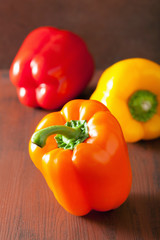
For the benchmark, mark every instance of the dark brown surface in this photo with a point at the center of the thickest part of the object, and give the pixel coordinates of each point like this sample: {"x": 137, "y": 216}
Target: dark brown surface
{"x": 112, "y": 29}
{"x": 28, "y": 209}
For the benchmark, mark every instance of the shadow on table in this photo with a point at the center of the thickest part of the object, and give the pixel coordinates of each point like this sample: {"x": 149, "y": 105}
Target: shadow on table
{"x": 139, "y": 214}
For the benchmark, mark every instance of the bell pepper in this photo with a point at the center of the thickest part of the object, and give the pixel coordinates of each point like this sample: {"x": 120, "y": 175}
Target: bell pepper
{"x": 83, "y": 157}
{"x": 51, "y": 67}
{"x": 131, "y": 91}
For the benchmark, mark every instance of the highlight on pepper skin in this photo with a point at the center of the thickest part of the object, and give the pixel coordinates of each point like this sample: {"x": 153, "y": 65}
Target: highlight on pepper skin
{"x": 82, "y": 154}
{"x": 51, "y": 67}
{"x": 131, "y": 90}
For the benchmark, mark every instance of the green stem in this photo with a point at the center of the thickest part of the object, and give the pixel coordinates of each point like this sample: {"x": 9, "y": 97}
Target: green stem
{"x": 67, "y": 136}
{"x": 143, "y": 105}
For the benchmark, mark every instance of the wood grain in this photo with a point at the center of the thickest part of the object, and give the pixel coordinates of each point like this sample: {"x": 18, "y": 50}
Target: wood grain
{"x": 28, "y": 209}
{"x": 113, "y": 30}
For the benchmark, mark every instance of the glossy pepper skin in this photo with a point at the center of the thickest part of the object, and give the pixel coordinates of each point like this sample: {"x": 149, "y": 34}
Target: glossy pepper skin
{"x": 96, "y": 174}
{"x": 51, "y": 67}
{"x": 131, "y": 91}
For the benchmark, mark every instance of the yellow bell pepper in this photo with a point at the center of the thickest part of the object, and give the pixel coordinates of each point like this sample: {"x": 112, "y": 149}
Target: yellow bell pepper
{"x": 131, "y": 91}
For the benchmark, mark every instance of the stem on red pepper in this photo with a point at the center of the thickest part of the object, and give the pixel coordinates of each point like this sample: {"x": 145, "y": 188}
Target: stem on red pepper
{"x": 68, "y": 135}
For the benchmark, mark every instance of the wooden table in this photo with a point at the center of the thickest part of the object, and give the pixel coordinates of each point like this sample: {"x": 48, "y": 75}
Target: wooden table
{"x": 28, "y": 209}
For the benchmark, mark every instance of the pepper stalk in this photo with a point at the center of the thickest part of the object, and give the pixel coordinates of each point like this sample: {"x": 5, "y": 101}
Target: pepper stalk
{"x": 68, "y": 135}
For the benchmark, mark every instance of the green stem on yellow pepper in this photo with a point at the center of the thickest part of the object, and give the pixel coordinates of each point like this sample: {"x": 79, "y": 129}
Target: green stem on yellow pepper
{"x": 143, "y": 105}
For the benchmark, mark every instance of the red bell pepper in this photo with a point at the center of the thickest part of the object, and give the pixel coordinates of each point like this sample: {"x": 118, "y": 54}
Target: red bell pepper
{"x": 51, "y": 67}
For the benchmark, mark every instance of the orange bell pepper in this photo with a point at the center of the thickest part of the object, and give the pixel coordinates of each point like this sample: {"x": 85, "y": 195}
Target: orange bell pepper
{"x": 85, "y": 163}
